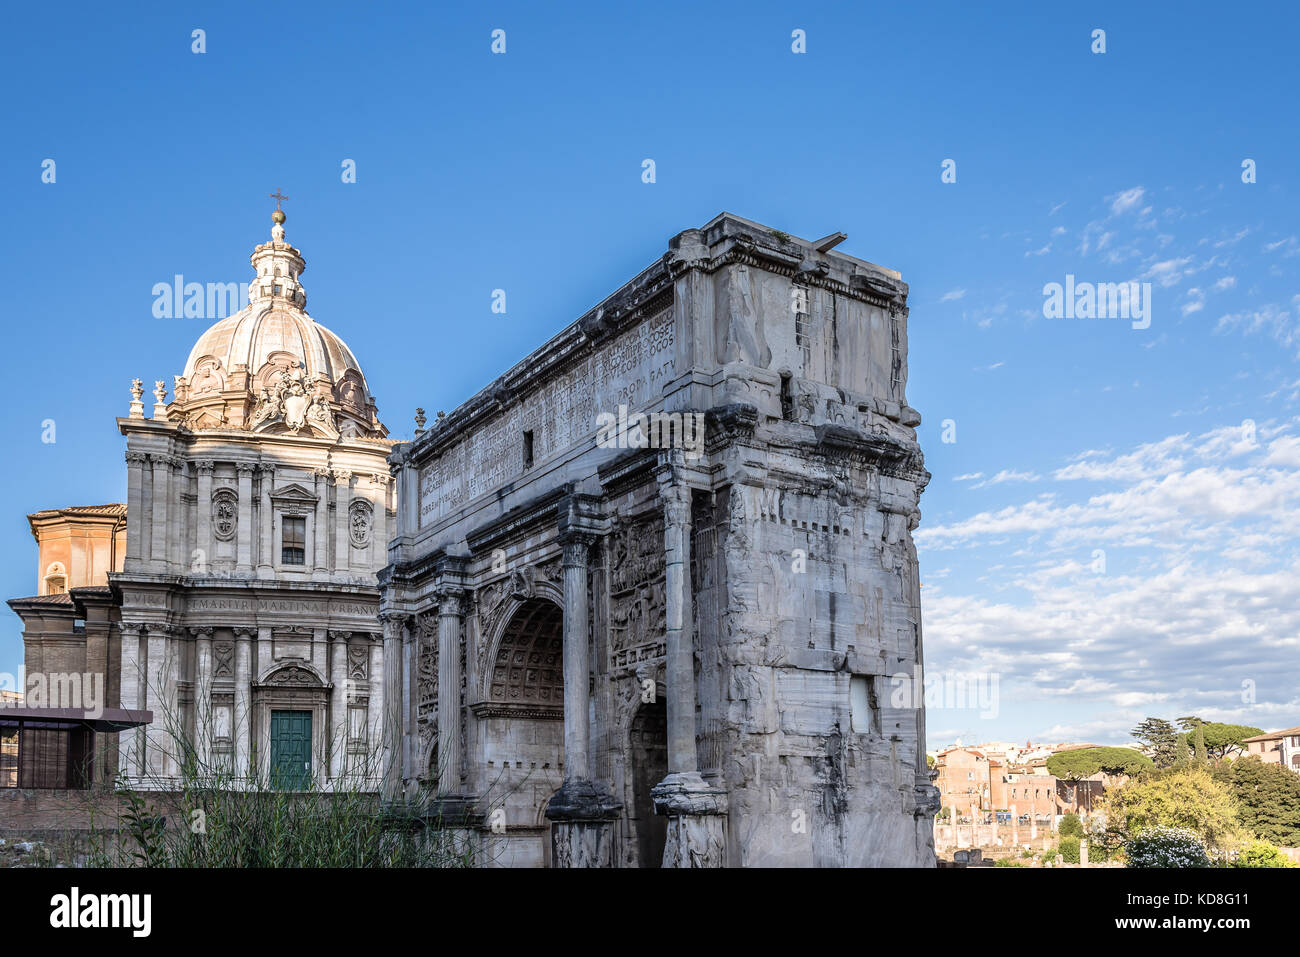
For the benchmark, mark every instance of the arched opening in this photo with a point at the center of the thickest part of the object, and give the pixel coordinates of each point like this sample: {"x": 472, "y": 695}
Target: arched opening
{"x": 522, "y": 726}
{"x": 56, "y": 579}
{"x": 530, "y": 658}
{"x": 648, "y": 751}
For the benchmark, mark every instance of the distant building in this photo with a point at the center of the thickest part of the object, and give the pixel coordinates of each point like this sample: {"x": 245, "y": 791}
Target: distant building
{"x": 59, "y": 735}
{"x": 9, "y": 742}
{"x": 1276, "y": 747}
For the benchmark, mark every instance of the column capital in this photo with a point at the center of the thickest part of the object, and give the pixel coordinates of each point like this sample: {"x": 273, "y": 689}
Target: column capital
{"x": 450, "y": 598}
{"x": 201, "y": 631}
{"x": 130, "y": 627}
{"x": 576, "y": 547}
{"x": 136, "y": 458}
{"x": 342, "y": 475}
{"x": 341, "y": 637}
{"x": 676, "y": 498}
{"x": 245, "y": 467}
{"x": 244, "y": 632}
{"x": 205, "y": 466}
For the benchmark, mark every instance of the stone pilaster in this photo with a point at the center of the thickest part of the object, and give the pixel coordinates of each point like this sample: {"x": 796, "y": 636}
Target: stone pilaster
{"x": 245, "y": 532}
{"x": 177, "y": 476}
{"x": 265, "y": 560}
{"x": 449, "y": 678}
{"x": 342, "y": 535}
{"x": 337, "y": 745}
{"x": 203, "y": 728}
{"x": 379, "y": 531}
{"x": 243, "y": 718}
{"x": 582, "y": 812}
{"x": 696, "y": 810}
{"x": 160, "y": 698}
{"x": 203, "y": 522}
{"x": 320, "y": 527}
{"x": 161, "y": 472}
{"x": 131, "y": 743}
{"x": 135, "y": 464}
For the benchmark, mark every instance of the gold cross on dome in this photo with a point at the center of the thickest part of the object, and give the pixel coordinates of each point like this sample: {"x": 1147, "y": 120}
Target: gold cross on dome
{"x": 277, "y": 197}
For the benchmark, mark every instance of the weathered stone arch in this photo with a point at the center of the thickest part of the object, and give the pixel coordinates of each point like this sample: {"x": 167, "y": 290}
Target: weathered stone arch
{"x": 537, "y": 590}
{"x": 525, "y": 664}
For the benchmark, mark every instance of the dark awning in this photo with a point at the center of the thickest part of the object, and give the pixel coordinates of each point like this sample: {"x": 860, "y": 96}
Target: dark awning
{"x": 107, "y": 719}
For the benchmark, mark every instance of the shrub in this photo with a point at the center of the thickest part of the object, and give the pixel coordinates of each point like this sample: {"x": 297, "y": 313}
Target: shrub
{"x": 1069, "y": 849}
{"x": 1071, "y": 826}
{"x": 1166, "y": 847}
{"x": 1009, "y": 862}
{"x": 1260, "y": 854}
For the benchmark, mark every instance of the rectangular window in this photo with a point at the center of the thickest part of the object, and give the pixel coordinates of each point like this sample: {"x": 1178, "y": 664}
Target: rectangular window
{"x": 293, "y": 540}
{"x": 528, "y": 449}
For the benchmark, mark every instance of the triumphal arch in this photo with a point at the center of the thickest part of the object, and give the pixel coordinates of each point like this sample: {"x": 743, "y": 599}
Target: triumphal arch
{"x": 647, "y": 590}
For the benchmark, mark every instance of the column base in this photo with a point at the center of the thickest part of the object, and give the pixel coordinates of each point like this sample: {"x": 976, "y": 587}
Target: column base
{"x": 582, "y": 817}
{"x": 697, "y": 820}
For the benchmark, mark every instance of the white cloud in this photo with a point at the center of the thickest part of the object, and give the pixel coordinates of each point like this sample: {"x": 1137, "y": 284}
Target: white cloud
{"x": 1127, "y": 200}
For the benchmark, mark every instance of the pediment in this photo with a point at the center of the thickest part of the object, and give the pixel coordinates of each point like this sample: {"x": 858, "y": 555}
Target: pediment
{"x": 293, "y": 492}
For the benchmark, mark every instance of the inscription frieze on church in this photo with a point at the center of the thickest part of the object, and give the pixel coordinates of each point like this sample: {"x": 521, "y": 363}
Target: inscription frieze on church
{"x": 630, "y": 371}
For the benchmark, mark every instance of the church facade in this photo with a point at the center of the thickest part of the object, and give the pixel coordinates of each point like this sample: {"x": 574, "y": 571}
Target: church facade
{"x": 646, "y": 591}
{"x": 259, "y": 505}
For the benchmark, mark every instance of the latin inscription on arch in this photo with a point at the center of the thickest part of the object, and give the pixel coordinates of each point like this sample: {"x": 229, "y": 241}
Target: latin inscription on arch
{"x": 630, "y": 371}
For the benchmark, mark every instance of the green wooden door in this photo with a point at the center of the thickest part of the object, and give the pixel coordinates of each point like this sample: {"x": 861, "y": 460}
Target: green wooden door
{"x": 291, "y": 750}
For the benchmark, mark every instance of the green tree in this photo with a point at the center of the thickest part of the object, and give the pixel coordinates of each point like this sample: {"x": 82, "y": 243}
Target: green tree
{"x": 1190, "y": 799}
{"x": 1198, "y": 745}
{"x": 1159, "y": 739}
{"x": 1070, "y": 826}
{"x": 1085, "y": 762}
{"x": 1224, "y": 739}
{"x": 1268, "y": 799}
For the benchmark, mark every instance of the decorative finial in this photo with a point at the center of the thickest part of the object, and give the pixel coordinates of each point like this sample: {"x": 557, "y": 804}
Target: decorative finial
{"x": 442, "y": 417}
{"x": 160, "y": 394}
{"x": 137, "y": 407}
{"x": 419, "y": 420}
{"x": 278, "y": 216}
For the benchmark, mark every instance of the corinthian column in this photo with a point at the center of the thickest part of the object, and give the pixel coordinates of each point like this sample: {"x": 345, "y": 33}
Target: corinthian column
{"x": 582, "y": 812}
{"x": 245, "y": 532}
{"x": 696, "y": 822}
{"x": 390, "y": 716}
{"x": 449, "y": 757}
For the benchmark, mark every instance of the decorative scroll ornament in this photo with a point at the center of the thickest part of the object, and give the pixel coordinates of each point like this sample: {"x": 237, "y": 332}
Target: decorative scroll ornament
{"x": 285, "y": 400}
{"x": 360, "y": 520}
{"x": 225, "y": 513}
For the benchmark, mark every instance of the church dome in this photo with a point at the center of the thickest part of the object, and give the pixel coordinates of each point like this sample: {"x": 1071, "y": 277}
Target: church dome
{"x": 272, "y": 368}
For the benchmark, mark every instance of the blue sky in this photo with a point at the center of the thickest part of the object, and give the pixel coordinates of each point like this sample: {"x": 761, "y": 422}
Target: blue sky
{"x": 522, "y": 172}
